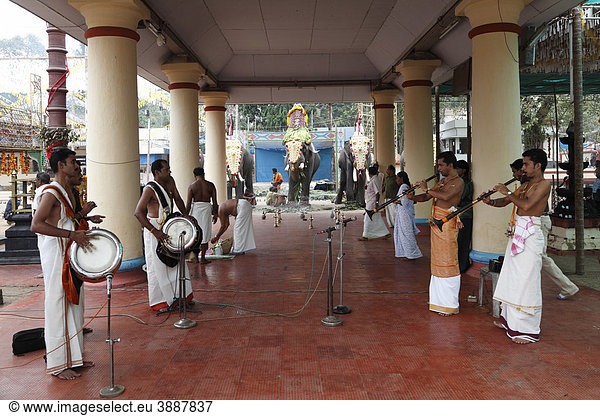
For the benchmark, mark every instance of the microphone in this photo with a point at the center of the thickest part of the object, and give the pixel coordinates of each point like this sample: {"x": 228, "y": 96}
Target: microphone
{"x": 347, "y": 220}
{"x": 336, "y": 227}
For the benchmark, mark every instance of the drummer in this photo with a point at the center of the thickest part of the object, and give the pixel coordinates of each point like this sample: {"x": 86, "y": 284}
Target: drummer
{"x": 198, "y": 205}
{"x": 155, "y": 204}
{"x": 55, "y": 221}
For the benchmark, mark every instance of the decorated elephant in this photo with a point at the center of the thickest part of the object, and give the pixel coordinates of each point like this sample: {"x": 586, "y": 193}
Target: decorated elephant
{"x": 354, "y": 159}
{"x": 302, "y": 158}
{"x": 240, "y": 169}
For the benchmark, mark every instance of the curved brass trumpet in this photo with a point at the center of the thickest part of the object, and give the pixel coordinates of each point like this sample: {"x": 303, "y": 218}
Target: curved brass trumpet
{"x": 370, "y": 212}
{"x": 440, "y": 223}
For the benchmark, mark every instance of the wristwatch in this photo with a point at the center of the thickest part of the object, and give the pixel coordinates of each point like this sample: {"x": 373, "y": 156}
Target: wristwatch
{"x": 508, "y": 193}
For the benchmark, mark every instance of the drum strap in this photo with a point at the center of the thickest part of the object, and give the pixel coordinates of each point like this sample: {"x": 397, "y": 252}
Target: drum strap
{"x": 71, "y": 284}
{"x": 161, "y": 195}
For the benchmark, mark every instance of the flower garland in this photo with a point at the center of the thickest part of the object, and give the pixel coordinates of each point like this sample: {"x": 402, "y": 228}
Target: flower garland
{"x": 4, "y": 165}
{"x": 24, "y": 162}
{"x": 12, "y": 162}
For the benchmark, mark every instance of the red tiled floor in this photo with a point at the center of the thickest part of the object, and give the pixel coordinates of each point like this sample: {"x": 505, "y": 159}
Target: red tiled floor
{"x": 389, "y": 347}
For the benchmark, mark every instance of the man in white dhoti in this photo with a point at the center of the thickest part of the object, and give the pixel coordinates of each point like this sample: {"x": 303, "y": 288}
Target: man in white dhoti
{"x": 243, "y": 230}
{"x": 55, "y": 221}
{"x": 444, "y": 285}
{"x": 519, "y": 284}
{"x": 155, "y": 204}
{"x": 373, "y": 227}
{"x": 405, "y": 243}
{"x": 200, "y": 193}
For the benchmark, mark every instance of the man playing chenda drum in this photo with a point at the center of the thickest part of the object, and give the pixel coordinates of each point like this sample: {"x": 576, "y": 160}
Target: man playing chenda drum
{"x": 55, "y": 221}
{"x": 163, "y": 286}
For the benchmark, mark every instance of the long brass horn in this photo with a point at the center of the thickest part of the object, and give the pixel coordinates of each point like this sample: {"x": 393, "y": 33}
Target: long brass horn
{"x": 440, "y": 223}
{"x": 370, "y": 212}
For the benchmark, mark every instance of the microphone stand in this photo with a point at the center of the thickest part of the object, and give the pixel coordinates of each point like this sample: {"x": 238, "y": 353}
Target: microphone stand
{"x": 330, "y": 320}
{"x": 341, "y": 309}
{"x": 113, "y": 390}
{"x": 182, "y": 323}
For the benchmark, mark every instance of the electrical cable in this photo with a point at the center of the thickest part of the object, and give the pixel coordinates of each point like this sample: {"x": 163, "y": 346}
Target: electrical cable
{"x": 504, "y": 33}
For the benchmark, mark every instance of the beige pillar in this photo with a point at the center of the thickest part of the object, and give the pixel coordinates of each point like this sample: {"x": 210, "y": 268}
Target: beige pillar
{"x": 418, "y": 127}
{"x": 214, "y": 162}
{"x": 112, "y": 149}
{"x": 385, "y": 150}
{"x": 496, "y": 116}
{"x": 184, "y": 152}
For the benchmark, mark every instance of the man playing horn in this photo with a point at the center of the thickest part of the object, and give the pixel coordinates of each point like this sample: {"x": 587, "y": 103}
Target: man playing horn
{"x": 519, "y": 285}
{"x": 55, "y": 223}
{"x": 155, "y": 204}
{"x": 445, "y": 274}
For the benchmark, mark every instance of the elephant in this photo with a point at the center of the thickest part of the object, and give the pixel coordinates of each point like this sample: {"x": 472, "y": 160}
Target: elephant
{"x": 353, "y": 160}
{"x": 301, "y": 162}
{"x": 240, "y": 169}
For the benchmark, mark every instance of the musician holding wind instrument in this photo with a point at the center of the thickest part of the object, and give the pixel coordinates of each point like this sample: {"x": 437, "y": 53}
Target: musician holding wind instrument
{"x": 445, "y": 274}
{"x": 519, "y": 285}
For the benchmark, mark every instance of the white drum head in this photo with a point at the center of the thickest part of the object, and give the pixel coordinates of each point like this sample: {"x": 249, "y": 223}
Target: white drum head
{"x": 174, "y": 227}
{"x": 104, "y": 257}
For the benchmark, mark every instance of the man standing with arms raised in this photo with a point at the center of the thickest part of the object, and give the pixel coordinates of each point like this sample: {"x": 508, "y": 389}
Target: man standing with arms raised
{"x": 519, "y": 284}
{"x": 444, "y": 285}
{"x": 198, "y": 205}
{"x": 155, "y": 204}
{"x": 55, "y": 223}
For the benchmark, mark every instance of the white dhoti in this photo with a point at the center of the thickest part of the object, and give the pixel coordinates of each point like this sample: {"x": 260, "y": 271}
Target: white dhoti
{"x": 202, "y": 211}
{"x": 519, "y": 284}
{"x": 443, "y": 294}
{"x": 444, "y": 285}
{"x": 390, "y": 214}
{"x": 63, "y": 320}
{"x": 374, "y": 228}
{"x": 163, "y": 283}
{"x": 243, "y": 230}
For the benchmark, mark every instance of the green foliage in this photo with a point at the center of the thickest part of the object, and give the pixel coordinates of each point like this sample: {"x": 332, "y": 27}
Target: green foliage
{"x": 49, "y": 136}
{"x": 273, "y": 117}
{"x": 300, "y": 134}
{"x": 159, "y": 116}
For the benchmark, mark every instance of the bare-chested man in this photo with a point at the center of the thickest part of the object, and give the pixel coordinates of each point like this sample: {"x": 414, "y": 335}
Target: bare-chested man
{"x": 163, "y": 287}
{"x": 243, "y": 230}
{"x": 55, "y": 222}
{"x": 200, "y": 193}
{"x": 445, "y": 274}
{"x": 519, "y": 284}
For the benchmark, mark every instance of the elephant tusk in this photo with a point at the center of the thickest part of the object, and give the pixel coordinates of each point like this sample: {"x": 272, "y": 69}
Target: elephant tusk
{"x": 354, "y": 175}
{"x": 287, "y": 167}
{"x": 301, "y": 166}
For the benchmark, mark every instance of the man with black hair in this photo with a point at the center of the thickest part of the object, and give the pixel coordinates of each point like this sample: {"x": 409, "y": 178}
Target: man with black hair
{"x": 444, "y": 285}
{"x": 200, "y": 194}
{"x": 519, "y": 285}
{"x": 55, "y": 221}
{"x": 549, "y": 267}
{"x": 464, "y": 233}
{"x": 152, "y": 210}
{"x": 373, "y": 227}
